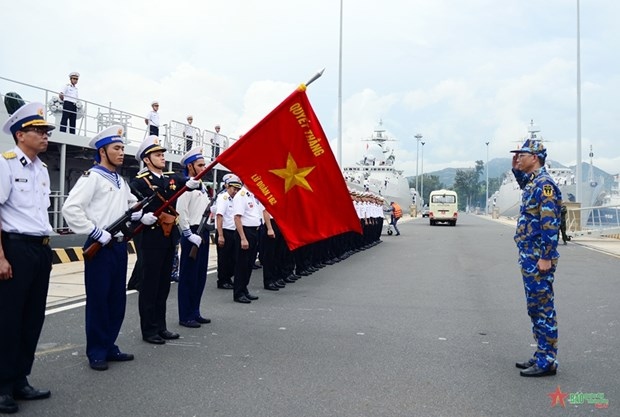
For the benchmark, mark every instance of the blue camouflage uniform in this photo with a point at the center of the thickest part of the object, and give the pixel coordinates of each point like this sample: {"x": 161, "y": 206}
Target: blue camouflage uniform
{"x": 537, "y": 238}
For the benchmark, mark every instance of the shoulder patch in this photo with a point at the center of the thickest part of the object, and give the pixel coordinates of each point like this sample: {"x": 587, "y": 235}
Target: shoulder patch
{"x": 547, "y": 190}
{"x": 9, "y": 155}
{"x": 242, "y": 193}
{"x": 225, "y": 197}
{"x": 144, "y": 174}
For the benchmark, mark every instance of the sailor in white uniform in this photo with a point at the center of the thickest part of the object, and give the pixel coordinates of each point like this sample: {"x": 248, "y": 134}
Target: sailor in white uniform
{"x": 69, "y": 97}
{"x": 25, "y": 254}
{"x": 98, "y": 198}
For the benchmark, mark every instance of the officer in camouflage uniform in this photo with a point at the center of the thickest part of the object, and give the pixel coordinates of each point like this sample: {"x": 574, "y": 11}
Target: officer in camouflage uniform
{"x": 537, "y": 240}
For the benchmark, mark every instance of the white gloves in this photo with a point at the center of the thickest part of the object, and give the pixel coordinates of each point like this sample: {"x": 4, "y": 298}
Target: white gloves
{"x": 192, "y": 184}
{"x": 136, "y": 215}
{"x": 148, "y": 219}
{"x": 105, "y": 237}
{"x": 195, "y": 239}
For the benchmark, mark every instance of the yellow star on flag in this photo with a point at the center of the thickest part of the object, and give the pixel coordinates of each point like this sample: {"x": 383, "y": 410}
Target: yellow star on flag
{"x": 292, "y": 175}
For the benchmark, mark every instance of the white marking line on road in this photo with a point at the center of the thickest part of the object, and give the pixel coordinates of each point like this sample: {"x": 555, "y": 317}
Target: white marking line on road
{"x": 65, "y": 308}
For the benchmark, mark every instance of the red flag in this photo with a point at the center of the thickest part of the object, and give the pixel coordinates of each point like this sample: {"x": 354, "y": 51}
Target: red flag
{"x": 286, "y": 161}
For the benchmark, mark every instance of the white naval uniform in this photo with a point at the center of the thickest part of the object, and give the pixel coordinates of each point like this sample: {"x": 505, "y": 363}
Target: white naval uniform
{"x": 224, "y": 207}
{"x": 24, "y": 194}
{"x": 190, "y": 206}
{"x": 97, "y": 199}
{"x": 70, "y": 93}
{"x": 153, "y": 118}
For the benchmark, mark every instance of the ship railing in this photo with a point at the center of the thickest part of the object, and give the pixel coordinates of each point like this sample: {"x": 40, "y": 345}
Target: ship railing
{"x": 94, "y": 117}
{"x": 91, "y": 117}
{"x": 593, "y": 221}
{"x": 55, "y": 212}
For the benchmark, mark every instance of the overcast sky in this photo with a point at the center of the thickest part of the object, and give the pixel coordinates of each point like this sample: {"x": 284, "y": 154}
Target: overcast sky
{"x": 459, "y": 72}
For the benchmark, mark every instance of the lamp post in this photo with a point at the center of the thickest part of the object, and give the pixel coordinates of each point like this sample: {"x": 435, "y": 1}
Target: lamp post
{"x": 418, "y": 138}
{"x": 422, "y": 174}
{"x": 486, "y": 202}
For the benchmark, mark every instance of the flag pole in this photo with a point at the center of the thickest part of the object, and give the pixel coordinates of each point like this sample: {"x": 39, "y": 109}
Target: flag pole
{"x": 315, "y": 77}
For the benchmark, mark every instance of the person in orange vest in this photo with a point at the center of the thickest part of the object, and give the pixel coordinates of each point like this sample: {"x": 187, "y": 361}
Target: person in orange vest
{"x": 397, "y": 213}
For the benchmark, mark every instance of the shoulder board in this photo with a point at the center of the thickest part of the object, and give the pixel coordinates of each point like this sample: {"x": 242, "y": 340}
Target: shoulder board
{"x": 169, "y": 173}
{"x": 44, "y": 164}
{"x": 144, "y": 174}
{"x": 9, "y": 155}
{"x": 86, "y": 173}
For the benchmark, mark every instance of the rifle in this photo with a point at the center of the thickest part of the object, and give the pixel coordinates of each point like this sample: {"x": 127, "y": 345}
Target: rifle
{"x": 120, "y": 224}
{"x": 202, "y": 226}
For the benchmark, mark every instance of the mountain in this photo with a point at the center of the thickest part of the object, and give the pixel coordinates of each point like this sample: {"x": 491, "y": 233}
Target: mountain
{"x": 499, "y": 166}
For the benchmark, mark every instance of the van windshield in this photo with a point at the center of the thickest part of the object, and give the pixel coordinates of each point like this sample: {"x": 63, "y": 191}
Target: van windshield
{"x": 449, "y": 199}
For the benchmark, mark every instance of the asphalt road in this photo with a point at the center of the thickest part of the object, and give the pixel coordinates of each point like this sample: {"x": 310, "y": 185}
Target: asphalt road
{"x": 429, "y": 323}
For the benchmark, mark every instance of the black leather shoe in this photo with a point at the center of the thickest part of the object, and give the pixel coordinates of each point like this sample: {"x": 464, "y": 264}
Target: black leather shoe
{"x": 271, "y": 287}
{"x": 121, "y": 357}
{"x": 243, "y": 299}
{"x": 28, "y": 392}
{"x": 288, "y": 280}
{"x": 190, "y": 323}
{"x": 303, "y": 273}
{"x": 100, "y": 365}
{"x": 251, "y": 297}
{"x": 526, "y": 364}
{"x": 156, "y": 340}
{"x": 203, "y": 320}
{"x": 535, "y": 371}
{"x": 225, "y": 286}
{"x": 168, "y": 335}
{"x": 280, "y": 283}
{"x": 8, "y": 404}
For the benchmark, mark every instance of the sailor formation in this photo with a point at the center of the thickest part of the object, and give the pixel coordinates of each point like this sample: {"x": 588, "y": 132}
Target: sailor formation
{"x": 109, "y": 211}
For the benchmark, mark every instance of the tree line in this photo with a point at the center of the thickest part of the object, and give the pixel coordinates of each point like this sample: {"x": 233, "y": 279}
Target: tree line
{"x": 469, "y": 183}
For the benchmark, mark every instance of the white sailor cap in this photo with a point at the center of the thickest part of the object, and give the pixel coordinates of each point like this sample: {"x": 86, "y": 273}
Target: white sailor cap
{"x": 148, "y": 145}
{"x": 74, "y": 74}
{"x": 110, "y": 135}
{"x": 192, "y": 155}
{"x": 28, "y": 115}
{"x": 233, "y": 181}
{"x": 154, "y": 102}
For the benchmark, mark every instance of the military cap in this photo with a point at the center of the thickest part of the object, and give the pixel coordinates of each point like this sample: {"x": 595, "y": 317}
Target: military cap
{"x": 148, "y": 145}
{"x": 110, "y": 135}
{"x": 28, "y": 115}
{"x": 192, "y": 155}
{"x": 532, "y": 146}
{"x": 233, "y": 181}
{"x": 74, "y": 74}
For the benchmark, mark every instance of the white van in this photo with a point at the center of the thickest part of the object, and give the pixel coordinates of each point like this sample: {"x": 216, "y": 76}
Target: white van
{"x": 443, "y": 207}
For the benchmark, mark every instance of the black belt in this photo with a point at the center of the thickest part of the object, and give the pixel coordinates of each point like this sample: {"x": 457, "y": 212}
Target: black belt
{"x": 41, "y": 240}
{"x": 251, "y": 227}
